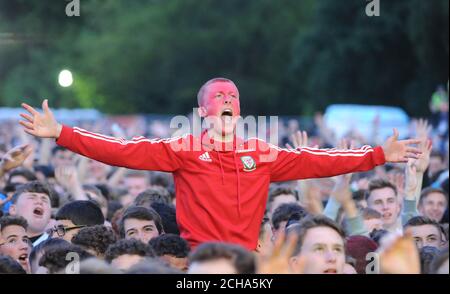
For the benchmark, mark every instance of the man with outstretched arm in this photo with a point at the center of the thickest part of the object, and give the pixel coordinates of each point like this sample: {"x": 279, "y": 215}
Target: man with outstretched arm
{"x": 222, "y": 186}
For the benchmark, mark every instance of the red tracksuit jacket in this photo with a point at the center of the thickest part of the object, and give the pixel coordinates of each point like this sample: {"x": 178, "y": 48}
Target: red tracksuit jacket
{"x": 221, "y": 191}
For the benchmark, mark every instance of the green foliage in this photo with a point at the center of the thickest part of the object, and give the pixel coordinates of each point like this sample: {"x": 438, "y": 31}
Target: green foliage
{"x": 287, "y": 57}
{"x": 395, "y": 59}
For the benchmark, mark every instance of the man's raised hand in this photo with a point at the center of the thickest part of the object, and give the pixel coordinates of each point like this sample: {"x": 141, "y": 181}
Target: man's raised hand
{"x": 399, "y": 255}
{"x": 275, "y": 258}
{"x": 43, "y": 125}
{"x": 14, "y": 158}
{"x": 299, "y": 139}
{"x": 400, "y": 151}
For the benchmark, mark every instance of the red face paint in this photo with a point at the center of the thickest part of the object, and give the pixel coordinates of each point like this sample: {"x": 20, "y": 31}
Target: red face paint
{"x": 221, "y": 102}
{"x": 220, "y": 96}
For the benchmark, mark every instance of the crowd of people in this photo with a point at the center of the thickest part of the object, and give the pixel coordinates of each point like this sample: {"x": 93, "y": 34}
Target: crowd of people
{"x": 57, "y": 204}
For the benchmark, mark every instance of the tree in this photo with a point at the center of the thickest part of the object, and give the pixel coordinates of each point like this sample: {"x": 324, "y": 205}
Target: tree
{"x": 351, "y": 58}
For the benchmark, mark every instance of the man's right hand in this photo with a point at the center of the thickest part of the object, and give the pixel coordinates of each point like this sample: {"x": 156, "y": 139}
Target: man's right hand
{"x": 40, "y": 125}
{"x": 14, "y": 158}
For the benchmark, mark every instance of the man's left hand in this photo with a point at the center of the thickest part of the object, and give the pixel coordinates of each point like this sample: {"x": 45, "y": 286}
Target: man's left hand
{"x": 400, "y": 151}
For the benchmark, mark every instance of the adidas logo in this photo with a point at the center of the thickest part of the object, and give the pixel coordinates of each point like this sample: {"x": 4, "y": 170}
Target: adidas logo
{"x": 205, "y": 157}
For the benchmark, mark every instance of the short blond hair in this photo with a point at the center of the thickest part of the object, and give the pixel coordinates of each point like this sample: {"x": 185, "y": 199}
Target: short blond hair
{"x": 202, "y": 90}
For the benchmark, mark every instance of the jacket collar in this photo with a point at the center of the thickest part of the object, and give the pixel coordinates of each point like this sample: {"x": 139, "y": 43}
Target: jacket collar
{"x": 210, "y": 144}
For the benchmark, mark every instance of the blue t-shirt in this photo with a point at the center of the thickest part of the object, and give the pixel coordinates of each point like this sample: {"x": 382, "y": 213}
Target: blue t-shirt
{"x": 5, "y": 205}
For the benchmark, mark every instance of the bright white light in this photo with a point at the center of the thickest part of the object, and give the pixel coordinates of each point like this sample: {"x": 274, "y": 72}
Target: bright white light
{"x": 65, "y": 78}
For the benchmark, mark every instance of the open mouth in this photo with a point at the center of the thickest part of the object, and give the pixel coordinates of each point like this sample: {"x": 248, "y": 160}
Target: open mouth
{"x": 227, "y": 112}
{"x": 227, "y": 116}
{"x": 23, "y": 258}
{"x": 330, "y": 271}
{"x": 38, "y": 212}
{"x": 387, "y": 215}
